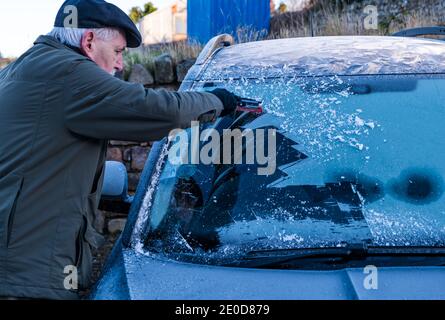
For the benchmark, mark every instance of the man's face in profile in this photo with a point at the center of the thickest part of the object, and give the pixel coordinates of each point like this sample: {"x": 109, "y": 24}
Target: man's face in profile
{"x": 107, "y": 54}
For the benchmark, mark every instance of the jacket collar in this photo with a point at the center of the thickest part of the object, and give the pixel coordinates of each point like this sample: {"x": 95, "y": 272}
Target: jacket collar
{"x": 53, "y": 42}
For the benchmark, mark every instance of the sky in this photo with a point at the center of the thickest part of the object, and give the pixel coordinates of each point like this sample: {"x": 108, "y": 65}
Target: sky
{"x": 22, "y": 21}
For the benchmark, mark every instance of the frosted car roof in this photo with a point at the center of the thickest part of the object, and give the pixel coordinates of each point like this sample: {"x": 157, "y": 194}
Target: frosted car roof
{"x": 321, "y": 56}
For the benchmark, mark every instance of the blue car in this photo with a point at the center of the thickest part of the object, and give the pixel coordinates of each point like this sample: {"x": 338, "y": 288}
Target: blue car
{"x": 334, "y": 191}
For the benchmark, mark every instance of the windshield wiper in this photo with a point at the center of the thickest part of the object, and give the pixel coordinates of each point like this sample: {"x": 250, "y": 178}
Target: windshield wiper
{"x": 336, "y": 255}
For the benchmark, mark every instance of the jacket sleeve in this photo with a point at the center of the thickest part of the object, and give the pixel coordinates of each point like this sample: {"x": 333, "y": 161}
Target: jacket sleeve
{"x": 100, "y": 106}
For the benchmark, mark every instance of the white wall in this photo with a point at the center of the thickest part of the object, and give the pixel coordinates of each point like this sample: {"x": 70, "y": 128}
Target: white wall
{"x": 162, "y": 25}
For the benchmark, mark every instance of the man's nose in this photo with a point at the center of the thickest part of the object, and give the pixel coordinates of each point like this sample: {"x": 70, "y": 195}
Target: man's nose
{"x": 120, "y": 63}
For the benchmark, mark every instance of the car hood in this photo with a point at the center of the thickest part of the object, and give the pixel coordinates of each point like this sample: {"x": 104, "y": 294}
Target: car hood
{"x": 136, "y": 276}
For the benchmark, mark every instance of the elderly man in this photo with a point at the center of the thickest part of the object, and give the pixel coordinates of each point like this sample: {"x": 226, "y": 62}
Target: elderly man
{"x": 59, "y": 105}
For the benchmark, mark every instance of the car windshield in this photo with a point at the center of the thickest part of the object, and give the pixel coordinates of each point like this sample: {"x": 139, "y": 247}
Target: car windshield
{"x": 358, "y": 159}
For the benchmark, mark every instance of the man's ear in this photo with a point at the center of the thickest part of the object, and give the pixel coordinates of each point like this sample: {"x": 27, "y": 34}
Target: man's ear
{"x": 86, "y": 44}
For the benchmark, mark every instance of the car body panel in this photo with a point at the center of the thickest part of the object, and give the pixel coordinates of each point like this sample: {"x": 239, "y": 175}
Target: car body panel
{"x": 153, "y": 278}
{"x": 113, "y": 283}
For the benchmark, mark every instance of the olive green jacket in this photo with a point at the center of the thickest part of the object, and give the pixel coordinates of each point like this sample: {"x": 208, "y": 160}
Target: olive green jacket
{"x": 58, "y": 110}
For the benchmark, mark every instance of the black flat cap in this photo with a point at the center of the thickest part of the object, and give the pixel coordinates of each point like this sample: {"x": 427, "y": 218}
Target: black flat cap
{"x": 97, "y": 14}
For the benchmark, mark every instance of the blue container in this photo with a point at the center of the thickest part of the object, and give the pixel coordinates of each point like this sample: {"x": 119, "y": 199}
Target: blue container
{"x": 208, "y": 18}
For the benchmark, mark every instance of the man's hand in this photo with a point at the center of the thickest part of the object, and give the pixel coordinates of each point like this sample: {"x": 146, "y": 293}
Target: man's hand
{"x": 229, "y": 100}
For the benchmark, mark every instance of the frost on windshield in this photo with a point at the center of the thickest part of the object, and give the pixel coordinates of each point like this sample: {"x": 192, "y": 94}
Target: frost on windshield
{"x": 315, "y": 114}
{"x": 373, "y": 163}
{"x": 359, "y": 159}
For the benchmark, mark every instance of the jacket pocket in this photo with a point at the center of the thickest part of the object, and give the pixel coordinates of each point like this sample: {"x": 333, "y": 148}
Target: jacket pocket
{"x": 10, "y": 188}
{"x": 87, "y": 239}
{"x": 91, "y": 235}
{"x": 84, "y": 258}
{"x": 72, "y": 255}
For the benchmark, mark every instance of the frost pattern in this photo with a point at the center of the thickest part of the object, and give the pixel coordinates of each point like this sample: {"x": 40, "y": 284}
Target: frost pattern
{"x": 329, "y": 56}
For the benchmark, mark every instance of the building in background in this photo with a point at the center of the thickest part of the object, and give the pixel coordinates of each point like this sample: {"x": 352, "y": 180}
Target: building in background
{"x": 272, "y": 7}
{"x": 245, "y": 19}
{"x": 298, "y": 5}
{"x": 167, "y": 24}
{"x": 200, "y": 20}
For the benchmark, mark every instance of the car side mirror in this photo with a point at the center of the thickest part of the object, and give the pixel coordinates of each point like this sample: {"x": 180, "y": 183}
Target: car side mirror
{"x": 115, "y": 184}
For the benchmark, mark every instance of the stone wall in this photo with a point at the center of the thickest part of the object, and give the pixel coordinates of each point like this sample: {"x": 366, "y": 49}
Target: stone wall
{"x": 346, "y": 17}
{"x": 133, "y": 155}
{"x": 386, "y": 7}
{"x": 400, "y": 7}
{"x": 167, "y": 75}
{"x": 401, "y": 11}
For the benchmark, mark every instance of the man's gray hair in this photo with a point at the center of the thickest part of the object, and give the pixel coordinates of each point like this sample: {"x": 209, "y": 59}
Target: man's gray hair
{"x": 73, "y": 36}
